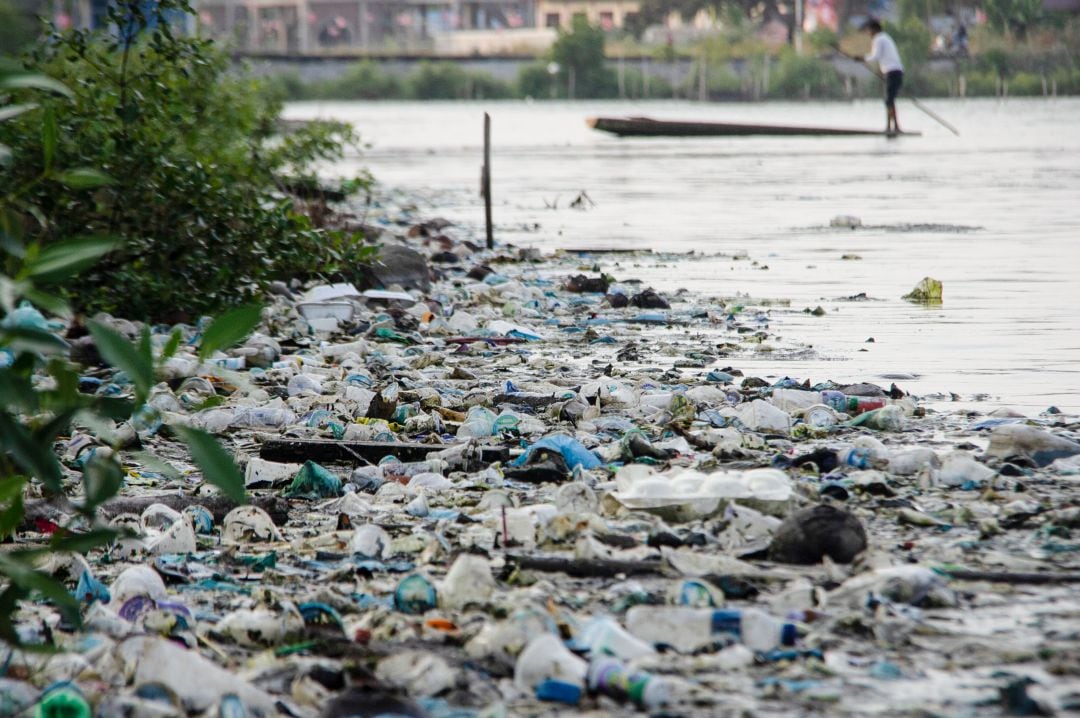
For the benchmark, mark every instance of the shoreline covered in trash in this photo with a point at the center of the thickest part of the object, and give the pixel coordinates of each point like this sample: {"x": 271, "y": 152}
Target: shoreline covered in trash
{"x": 497, "y": 483}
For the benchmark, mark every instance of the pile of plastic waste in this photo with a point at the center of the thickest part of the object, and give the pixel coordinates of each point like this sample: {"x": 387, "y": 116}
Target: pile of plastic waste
{"x": 513, "y": 485}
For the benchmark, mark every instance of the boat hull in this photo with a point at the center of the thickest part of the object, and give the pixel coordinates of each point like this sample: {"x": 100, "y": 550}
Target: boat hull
{"x": 648, "y": 127}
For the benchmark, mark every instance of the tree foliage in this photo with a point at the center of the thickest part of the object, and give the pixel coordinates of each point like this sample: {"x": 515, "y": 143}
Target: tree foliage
{"x": 579, "y": 53}
{"x": 40, "y": 400}
{"x": 1015, "y": 16}
{"x": 194, "y": 158}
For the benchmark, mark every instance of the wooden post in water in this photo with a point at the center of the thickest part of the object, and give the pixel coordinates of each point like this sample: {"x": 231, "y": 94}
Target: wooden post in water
{"x": 703, "y": 92}
{"x": 485, "y": 182}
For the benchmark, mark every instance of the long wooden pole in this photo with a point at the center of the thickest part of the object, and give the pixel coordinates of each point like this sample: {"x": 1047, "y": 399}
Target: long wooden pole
{"x": 486, "y": 182}
{"x": 914, "y": 101}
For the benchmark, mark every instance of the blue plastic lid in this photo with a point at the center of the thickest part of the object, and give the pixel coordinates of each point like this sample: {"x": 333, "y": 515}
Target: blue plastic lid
{"x": 560, "y": 691}
{"x": 788, "y": 634}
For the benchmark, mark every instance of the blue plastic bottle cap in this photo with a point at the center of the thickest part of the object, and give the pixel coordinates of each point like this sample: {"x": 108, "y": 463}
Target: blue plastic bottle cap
{"x": 788, "y": 634}
{"x": 560, "y": 691}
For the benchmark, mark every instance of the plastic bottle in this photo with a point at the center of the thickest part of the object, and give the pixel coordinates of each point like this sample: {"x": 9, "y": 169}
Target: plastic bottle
{"x": 855, "y": 456}
{"x": 1022, "y": 440}
{"x": 792, "y": 400}
{"x": 63, "y": 701}
{"x": 468, "y": 581}
{"x": 611, "y": 678}
{"x": 696, "y": 593}
{"x": 390, "y": 466}
{"x": 887, "y": 418}
{"x": 687, "y": 629}
{"x": 414, "y": 595}
{"x": 604, "y": 636}
{"x": 546, "y": 658}
{"x": 263, "y": 418}
{"x": 911, "y": 461}
{"x": 853, "y": 405}
{"x": 479, "y": 422}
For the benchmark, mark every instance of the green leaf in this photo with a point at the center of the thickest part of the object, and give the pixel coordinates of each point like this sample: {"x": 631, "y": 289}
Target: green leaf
{"x": 22, "y": 574}
{"x": 112, "y": 407}
{"x": 83, "y": 542}
{"x": 153, "y": 462}
{"x": 83, "y": 178}
{"x": 16, "y": 393}
{"x": 61, "y": 260}
{"x": 11, "y": 496}
{"x": 50, "y": 136}
{"x": 230, "y": 328}
{"x": 37, "y": 82}
{"x": 32, "y": 341}
{"x": 102, "y": 479}
{"x": 48, "y": 302}
{"x": 35, "y": 458}
{"x": 59, "y": 424}
{"x": 146, "y": 349}
{"x": 9, "y": 604}
{"x": 171, "y": 346}
{"x": 123, "y": 355}
{"x": 6, "y": 113}
{"x": 217, "y": 466}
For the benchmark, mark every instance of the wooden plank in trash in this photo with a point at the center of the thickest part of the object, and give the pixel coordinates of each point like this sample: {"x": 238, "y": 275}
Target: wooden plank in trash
{"x": 299, "y": 450}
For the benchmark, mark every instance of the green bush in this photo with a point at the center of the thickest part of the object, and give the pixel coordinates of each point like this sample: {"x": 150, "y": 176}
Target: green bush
{"x": 483, "y": 86}
{"x": 39, "y": 396}
{"x": 635, "y": 86}
{"x": 1067, "y": 80}
{"x": 289, "y": 86}
{"x": 720, "y": 82}
{"x": 804, "y": 76}
{"x": 194, "y": 158}
{"x": 535, "y": 81}
{"x": 579, "y": 53}
{"x": 364, "y": 80}
{"x": 1026, "y": 84}
{"x": 18, "y": 27}
{"x": 448, "y": 81}
{"x": 1015, "y": 16}
{"x": 927, "y": 84}
{"x": 913, "y": 40}
{"x": 981, "y": 84}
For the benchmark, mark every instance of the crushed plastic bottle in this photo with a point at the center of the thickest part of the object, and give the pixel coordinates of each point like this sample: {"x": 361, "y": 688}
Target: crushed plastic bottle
{"x": 688, "y": 629}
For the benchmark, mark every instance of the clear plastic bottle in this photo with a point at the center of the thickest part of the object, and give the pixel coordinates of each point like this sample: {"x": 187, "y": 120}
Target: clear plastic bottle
{"x": 546, "y": 658}
{"x": 887, "y": 418}
{"x": 855, "y": 456}
{"x": 604, "y": 636}
{"x": 479, "y": 422}
{"x": 611, "y": 678}
{"x": 263, "y": 418}
{"x": 852, "y": 405}
{"x": 792, "y": 400}
{"x": 688, "y": 629}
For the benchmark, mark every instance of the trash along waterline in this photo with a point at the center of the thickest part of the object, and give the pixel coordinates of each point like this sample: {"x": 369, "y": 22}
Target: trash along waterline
{"x": 599, "y": 462}
{"x": 992, "y": 214}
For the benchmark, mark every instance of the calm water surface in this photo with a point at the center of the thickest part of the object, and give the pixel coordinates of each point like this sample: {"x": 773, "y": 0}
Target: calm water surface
{"x": 994, "y": 214}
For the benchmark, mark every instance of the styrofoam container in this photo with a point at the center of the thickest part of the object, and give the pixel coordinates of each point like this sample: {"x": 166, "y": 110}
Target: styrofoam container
{"x": 342, "y": 311}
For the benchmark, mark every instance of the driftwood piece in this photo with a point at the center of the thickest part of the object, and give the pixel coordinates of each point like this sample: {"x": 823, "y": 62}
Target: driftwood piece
{"x": 587, "y": 567}
{"x": 1015, "y": 578}
{"x": 535, "y": 402}
{"x": 275, "y": 506}
{"x": 300, "y": 450}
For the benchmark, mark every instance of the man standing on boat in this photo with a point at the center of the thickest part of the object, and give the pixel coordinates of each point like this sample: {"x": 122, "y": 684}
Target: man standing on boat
{"x": 884, "y": 51}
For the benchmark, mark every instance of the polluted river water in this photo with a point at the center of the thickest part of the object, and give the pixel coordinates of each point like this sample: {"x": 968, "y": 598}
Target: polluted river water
{"x": 993, "y": 213}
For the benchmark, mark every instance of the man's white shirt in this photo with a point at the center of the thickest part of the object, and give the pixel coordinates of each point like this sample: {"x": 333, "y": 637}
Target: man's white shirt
{"x": 884, "y": 51}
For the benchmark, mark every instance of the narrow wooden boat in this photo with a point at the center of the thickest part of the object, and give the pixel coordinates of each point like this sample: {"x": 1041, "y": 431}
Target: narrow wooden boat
{"x": 648, "y": 127}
